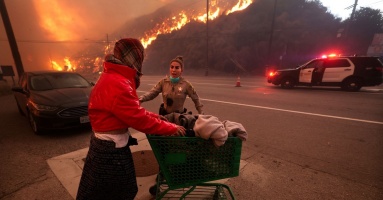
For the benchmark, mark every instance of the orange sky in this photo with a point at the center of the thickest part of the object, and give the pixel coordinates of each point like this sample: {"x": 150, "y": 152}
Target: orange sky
{"x": 48, "y": 31}
{"x": 52, "y": 29}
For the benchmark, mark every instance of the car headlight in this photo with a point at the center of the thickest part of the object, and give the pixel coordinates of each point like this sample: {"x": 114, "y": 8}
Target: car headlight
{"x": 40, "y": 107}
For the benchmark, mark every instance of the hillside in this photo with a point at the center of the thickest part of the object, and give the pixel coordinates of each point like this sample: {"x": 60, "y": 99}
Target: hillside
{"x": 245, "y": 42}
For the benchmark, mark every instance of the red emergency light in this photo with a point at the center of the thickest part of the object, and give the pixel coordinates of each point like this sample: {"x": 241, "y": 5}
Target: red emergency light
{"x": 329, "y": 55}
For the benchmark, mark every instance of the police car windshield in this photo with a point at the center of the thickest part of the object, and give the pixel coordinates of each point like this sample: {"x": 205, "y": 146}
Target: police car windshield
{"x": 303, "y": 65}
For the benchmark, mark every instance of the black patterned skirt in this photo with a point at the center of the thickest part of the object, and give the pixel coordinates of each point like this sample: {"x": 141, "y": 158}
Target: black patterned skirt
{"x": 108, "y": 172}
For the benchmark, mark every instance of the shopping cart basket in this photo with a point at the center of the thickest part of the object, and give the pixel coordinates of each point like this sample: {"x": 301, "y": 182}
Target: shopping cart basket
{"x": 190, "y": 164}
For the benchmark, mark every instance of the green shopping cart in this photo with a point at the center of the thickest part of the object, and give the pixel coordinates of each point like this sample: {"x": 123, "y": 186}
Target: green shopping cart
{"x": 190, "y": 167}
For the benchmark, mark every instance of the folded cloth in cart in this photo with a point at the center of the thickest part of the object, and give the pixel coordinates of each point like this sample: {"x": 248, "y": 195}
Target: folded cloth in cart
{"x": 208, "y": 126}
{"x": 235, "y": 129}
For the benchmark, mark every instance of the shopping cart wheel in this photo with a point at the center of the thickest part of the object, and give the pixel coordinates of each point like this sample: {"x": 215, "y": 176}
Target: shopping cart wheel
{"x": 154, "y": 190}
{"x": 219, "y": 193}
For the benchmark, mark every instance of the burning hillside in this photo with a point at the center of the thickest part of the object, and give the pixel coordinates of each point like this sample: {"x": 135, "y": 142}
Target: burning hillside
{"x": 179, "y": 20}
{"x": 164, "y": 21}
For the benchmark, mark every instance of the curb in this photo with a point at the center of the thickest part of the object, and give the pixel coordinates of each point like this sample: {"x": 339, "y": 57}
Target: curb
{"x": 68, "y": 169}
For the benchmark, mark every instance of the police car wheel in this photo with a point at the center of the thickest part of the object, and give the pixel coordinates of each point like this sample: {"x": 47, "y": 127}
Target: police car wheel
{"x": 287, "y": 83}
{"x": 352, "y": 85}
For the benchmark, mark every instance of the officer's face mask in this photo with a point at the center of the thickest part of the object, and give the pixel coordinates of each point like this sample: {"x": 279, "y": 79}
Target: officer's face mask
{"x": 174, "y": 80}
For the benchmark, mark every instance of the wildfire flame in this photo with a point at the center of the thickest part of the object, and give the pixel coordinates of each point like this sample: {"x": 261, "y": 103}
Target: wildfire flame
{"x": 240, "y": 6}
{"x": 168, "y": 25}
{"x": 56, "y": 66}
{"x": 177, "y": 22}
{"x": 67, "y": 65}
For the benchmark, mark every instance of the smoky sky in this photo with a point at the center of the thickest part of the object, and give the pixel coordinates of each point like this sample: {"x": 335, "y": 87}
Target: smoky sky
{"x": 49, "y": 30}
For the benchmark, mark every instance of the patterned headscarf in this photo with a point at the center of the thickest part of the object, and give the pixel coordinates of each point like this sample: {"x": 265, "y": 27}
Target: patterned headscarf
{"x": 130, "y": 52}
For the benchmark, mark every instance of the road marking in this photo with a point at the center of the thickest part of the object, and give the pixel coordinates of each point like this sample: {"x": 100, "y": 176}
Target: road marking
{"x": 370, "y": 90}
{"x": 233, "y": 85}
{"x": 293, "y": 111}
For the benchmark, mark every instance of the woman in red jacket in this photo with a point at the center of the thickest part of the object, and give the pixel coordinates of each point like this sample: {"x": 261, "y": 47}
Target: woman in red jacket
{"x": 113, "y": 108}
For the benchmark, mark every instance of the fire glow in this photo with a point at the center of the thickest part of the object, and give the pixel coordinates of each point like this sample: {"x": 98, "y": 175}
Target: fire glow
{"x": 67, "y": 65}
{"x": 180, "y": 20}
{"x": 50, "y": 22}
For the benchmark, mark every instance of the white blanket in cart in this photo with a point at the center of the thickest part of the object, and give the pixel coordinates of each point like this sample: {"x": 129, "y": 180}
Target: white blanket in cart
{"x": 208, "y": 126}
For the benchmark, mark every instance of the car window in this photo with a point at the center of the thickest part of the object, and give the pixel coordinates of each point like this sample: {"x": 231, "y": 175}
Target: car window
{"x": 57, "y": 81}
{"x": 337, "y": 63}
{"x": 366, "y": 61}
{"x": 40, "y": 83}
{"x": 66, "y": 80}
{"x": 314, "y": 64}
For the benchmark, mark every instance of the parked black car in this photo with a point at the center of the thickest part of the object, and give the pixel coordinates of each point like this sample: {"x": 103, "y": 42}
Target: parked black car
{"x": 53, "y": 99}
{"x": 348, "y": 72}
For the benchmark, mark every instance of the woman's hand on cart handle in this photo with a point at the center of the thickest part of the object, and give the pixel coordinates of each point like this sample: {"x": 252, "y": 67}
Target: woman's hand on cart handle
{"x": 181, "y": 131}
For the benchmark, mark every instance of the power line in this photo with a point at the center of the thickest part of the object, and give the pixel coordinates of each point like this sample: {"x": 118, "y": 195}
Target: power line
{"x": 349, "y": 7}
{"x": 367, "y": 5}
{"x": 58, "y": 42}
{"x": 375, "y": 2}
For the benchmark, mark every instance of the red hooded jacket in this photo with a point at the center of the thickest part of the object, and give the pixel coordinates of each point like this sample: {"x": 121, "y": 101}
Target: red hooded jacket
{"x": 114, "y": 104}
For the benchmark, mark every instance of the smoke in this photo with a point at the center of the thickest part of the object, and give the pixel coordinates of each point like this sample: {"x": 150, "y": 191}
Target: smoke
{"x": 49, "y": 30}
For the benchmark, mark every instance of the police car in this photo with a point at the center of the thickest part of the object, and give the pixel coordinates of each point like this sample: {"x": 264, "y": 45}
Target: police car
{"x": 348, "y": 72}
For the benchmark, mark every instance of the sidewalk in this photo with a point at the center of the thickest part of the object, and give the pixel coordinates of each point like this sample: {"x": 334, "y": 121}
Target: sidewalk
{"x": 68, "y": 168}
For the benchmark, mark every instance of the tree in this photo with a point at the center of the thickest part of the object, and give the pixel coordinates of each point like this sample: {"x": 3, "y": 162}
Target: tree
{"x": 365, "y": 24}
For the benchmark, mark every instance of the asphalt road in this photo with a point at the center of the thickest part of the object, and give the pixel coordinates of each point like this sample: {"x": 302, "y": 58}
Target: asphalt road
{"x": 305, "y": 143}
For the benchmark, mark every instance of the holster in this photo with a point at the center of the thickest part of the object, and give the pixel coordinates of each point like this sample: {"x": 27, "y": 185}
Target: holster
{"x": 162, "y": 110}
{"x": 132, "y": 141}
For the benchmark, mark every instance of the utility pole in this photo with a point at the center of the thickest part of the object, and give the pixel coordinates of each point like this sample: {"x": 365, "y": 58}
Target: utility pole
{"x": 11, "y": 38}
{"x": 353, "y": 9}
{"x": 107, "y": 43}
{"x": 207, "y": 38}
{"x": 271, "y": 33}
{"x": 346, "y": 32}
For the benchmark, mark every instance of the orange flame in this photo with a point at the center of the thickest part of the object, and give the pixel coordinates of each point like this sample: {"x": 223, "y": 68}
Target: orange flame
{"x": 56, "y": 66}
{"x": 240, "y": 6}
{"x": 167, "y": 26}
{"x": 212, "y": 16}
{"x": 66, "y": 67}
{"x": 177, "y": 22}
